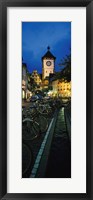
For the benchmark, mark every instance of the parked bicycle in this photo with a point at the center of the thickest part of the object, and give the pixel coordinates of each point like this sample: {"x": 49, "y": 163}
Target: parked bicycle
{"x": 27, "y": 160}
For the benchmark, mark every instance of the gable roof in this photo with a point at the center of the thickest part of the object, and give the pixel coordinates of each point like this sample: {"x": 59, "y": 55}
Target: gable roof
{"x": 48, "y": 54}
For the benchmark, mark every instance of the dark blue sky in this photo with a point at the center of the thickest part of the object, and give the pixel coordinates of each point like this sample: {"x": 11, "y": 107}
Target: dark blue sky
{"x": 36, "y": 36}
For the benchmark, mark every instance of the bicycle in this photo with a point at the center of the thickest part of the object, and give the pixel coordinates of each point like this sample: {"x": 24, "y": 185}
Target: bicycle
{"x": 38, "y": 117}
{"x": 27, "y": 160}
{"x": 30, "y": 129}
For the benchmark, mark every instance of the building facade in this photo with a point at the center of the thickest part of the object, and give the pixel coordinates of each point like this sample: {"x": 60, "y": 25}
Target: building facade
{"x": 61, "y": 88}
{"x": 24, "y": 80}
{"x": 37, "y": 79}
{"x": 26, "y": 87}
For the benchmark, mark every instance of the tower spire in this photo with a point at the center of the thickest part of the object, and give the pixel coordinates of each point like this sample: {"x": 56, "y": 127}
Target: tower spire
{"x": 48, "y": 48}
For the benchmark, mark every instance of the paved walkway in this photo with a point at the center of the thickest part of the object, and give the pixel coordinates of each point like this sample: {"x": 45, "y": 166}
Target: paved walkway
{"x": 59, "y": 162}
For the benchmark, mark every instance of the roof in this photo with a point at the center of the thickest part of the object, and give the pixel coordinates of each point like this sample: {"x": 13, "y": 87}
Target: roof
{"x": 54, "y": 77}
{"x": 24, "y": 65}
{"x": 40, "y": 76}
{"x": 48, "y": 54}
{"x": 46, "y": 78}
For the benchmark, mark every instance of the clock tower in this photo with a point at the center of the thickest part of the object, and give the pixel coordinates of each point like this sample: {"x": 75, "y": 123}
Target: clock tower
{"x": 48, "y": 64}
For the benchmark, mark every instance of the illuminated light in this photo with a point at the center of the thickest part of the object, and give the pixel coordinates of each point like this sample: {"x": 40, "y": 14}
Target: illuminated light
{"x": 23, "y": 94}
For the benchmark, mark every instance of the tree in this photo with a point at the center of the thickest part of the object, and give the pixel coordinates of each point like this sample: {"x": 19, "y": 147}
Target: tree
{"x": 66, "y": 72}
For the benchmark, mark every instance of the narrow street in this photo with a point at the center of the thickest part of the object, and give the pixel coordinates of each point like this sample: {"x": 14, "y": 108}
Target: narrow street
{"x": 46, "y": 102}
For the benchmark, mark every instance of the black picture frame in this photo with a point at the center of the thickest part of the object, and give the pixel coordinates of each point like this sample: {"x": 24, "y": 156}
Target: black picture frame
{"x": 3, "y": 97}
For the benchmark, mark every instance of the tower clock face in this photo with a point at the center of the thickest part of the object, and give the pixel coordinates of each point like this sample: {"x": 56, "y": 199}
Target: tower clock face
{"x": 48, "y": 63}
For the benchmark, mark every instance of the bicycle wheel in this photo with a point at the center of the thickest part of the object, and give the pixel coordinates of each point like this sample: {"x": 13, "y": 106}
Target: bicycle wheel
{"x": 42, "y": 121}
{"x": 44, "y": 110}
{"x": 30, "y": 129}
{"x": 27, "y": 159}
